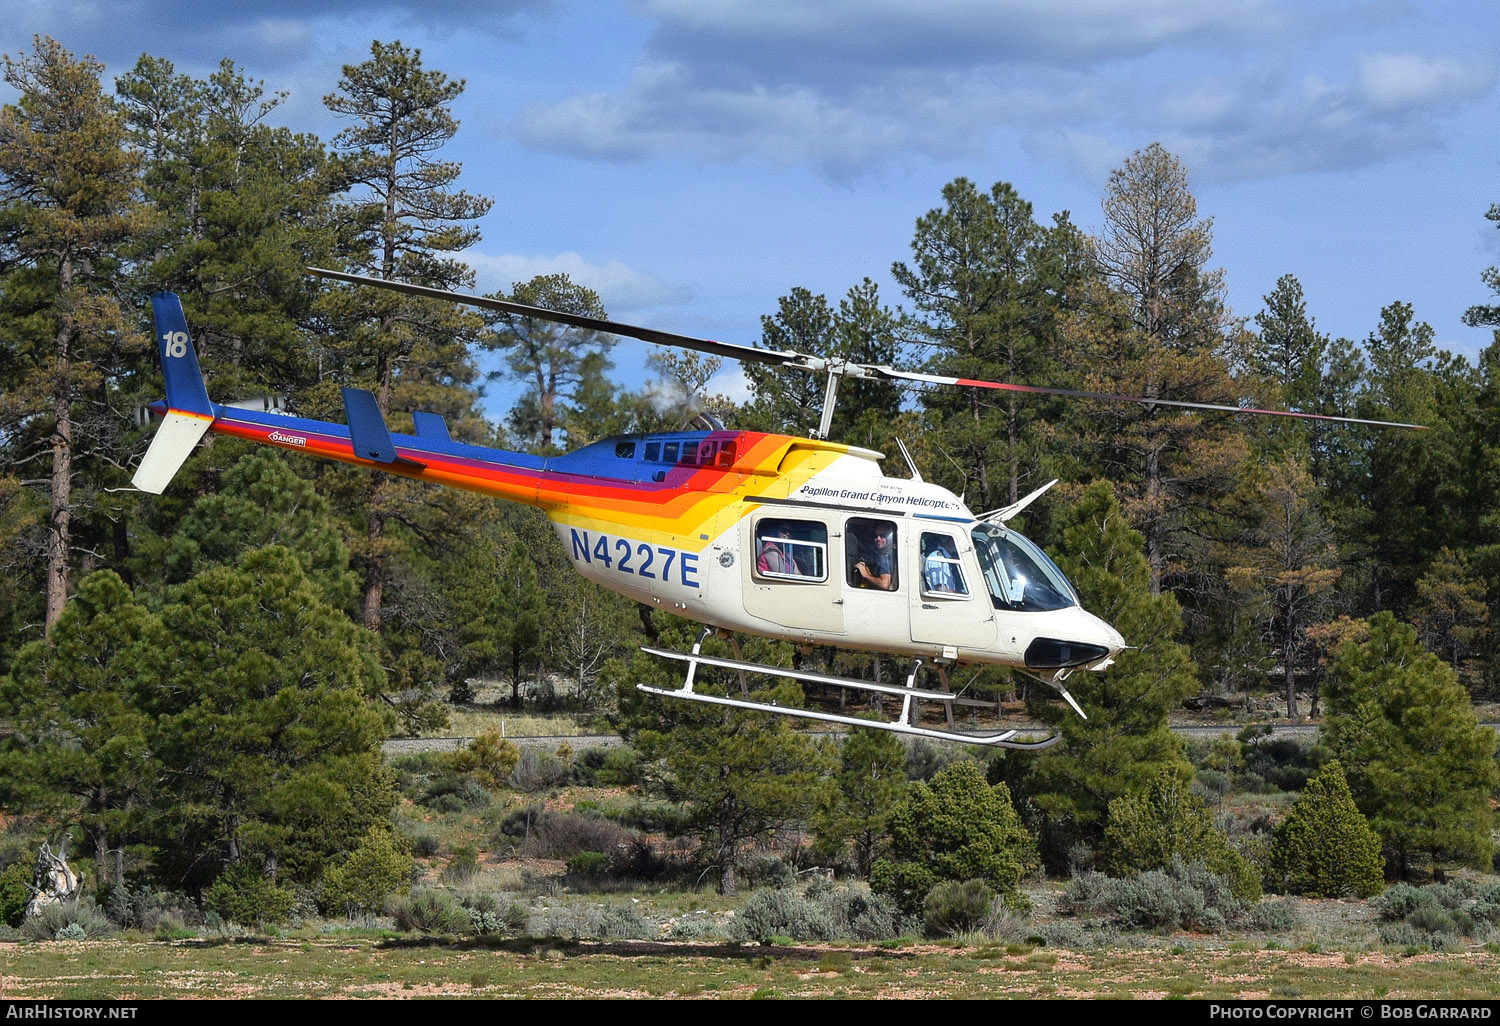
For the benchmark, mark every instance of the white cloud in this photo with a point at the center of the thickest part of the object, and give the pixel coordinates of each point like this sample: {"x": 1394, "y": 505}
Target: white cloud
{"x": 1406, "y": 81}
{"x": 1244, "y": 88}
{"x": 619, "y": 286}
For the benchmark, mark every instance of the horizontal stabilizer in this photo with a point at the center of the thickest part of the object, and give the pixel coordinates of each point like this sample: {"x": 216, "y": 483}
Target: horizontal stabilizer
{"x": 170, "y": 448}
{"x": 431, "y": 425}
{"x": 367, "y": 430}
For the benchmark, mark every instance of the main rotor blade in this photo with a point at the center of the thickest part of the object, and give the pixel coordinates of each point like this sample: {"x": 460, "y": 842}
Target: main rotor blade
{"x": 936, "y": 379}
{"x": 733, "y": 350}
{"x": 802, "y": 361}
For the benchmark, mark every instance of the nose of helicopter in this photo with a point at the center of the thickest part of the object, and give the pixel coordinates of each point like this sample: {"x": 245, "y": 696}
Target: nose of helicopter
{"x": 1108, "y": 637}
{"x": 1074, "y": 638}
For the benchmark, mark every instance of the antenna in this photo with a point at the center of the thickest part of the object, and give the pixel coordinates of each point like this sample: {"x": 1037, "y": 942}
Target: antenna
{"x": 916, "y": 475}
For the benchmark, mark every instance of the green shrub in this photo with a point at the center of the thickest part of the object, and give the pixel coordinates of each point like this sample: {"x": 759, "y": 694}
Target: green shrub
{"x": 144, "y": 909}
{"x": 1325, "y": 847}
{"x": 463, "y": 866}
{"x": 821, "y": 911}
{"x": 245, "y": 895}
{"x": 489, "y": 760}
{"x": 428, "y": 910}
{"x": 954, "y": 907}
{"x": 537, "y": 770}
{"x": 1275, "y": 916}
{"x": 1167, "y": 824}
{"x": 1438, "y": 915}
{"x": 359, "y": 883}
{"x": 1182, "y": 896}
{"x": 958, "y": 827}
{"x": 15, "y": 893}
{"x": 67, "y": 920}
{"x": 783, "y": 912}
{"x": 608, "y": 767}
{"x": 762, "y": 869}
{"x": 588, "y": 865}
{"x": 623, "y": 921}
{"x": 450, "y": 792}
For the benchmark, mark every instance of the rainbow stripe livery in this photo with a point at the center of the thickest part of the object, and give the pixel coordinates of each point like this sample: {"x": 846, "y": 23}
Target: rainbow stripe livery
{"x": 789, "y": 538}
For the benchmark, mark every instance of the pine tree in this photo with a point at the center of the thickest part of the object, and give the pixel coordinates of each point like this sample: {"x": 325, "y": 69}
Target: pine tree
{"x": 1420, "y": 765}
{"x": 67, "y": 206}
{"x": 1325, "y": 847}
{"x": 1285, "y": 363}
{"x": 740, "y": 774}
{"x": 262, "y": 717}
{"x": 988, "y": 285}
{"x": 1126, "y": 743}
{"x": 240, "y": 206}
{"x": 1452, "y": 614}
{"x": 870, "y": 780}
{"x": 78, "y": 753}
{"x": 554, "y": 360}
{"x": 1160, "y": 330}
{"x": 1289, "y": 555}
{"x": 408, "y": 218}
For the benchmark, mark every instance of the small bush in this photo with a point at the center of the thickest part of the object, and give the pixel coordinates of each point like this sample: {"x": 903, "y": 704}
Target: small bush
{"x": 489, "y": 760}
{"x": 67, "y": 920}
{"x": 561, "y": 834}
{"x": 610, "y": 921}
{"x": 1438, "y": 914}
{"x": 1183, "y": 896}
{"x": 623, "y": 921}
{"x": 954, "y": 907}
{"x": 588, "y": 865}
{"x": 763, "y": 869}
{"x": 1275, "y": 916}
{"x": 425, "y": 845}
{"x": 463, "y": 866}
{"x": 488, "y": 916}
{"x": 608, "y": 767}
{"x": 15, "y": 893}
{"x": 245, "y": 895}
{"x": 537, "y": 771}
{"x": 144, "y": 909}
{"x": 783, "y": 913}
{"x": 359, "y": 883}
{"x": 428, "y": 910}
{"x": 1169, "y": 824}
{"x": 449, "y": 792}
{"x": 699, "y": 928}
{"x": 821, "y": 911}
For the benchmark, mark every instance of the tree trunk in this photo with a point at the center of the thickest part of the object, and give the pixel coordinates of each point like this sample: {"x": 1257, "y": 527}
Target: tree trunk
{"x": 60, "y": 515}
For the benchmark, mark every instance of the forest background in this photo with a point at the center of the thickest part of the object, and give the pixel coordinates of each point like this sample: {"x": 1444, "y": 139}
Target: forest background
{"x": 198, "y": 683}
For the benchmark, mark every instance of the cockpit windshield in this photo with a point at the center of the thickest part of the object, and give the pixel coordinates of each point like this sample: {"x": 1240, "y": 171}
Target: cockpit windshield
{"x": 1018, "y": 573}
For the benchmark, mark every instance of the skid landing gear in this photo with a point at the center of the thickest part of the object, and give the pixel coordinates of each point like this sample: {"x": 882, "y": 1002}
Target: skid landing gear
{"x": 910, "y": 695}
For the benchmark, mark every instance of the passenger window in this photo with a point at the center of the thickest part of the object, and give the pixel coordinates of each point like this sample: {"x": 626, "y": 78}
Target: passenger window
{"x": 669, "y": 453}
{"x": 653, "y": 452}
{"x": 726, "y": 456}
{"x": 942, "y": 572}
{"x": 625, "y": 450}
{"x": 794, "y": 550}
{"x": 871, "y": 554}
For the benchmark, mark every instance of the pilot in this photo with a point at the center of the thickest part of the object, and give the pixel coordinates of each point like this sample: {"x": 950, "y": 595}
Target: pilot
{"x": 876, "y": 571}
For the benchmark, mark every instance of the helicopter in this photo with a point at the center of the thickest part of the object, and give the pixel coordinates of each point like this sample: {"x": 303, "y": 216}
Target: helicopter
{"x": 803, "y": 540}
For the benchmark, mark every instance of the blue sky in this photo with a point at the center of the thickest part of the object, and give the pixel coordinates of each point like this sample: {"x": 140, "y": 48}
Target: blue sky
{"x": 692, "y": 160}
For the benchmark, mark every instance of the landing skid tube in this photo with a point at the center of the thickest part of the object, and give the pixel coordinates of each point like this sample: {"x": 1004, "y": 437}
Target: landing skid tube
{"x": 694, "y": 659}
